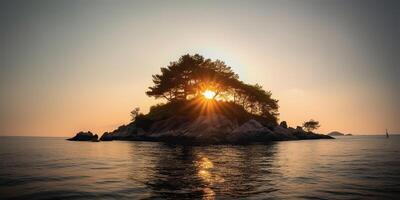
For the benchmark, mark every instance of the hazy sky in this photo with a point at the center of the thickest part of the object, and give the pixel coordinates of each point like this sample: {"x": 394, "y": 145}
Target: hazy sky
{"x": 71, "y": 65}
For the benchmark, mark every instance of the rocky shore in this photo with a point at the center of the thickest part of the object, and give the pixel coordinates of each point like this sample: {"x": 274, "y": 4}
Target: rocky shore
{"x": 216, "y": 129}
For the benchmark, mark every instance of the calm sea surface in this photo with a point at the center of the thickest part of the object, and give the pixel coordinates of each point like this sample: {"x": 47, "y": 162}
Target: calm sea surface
{"x": 358, "y": 167}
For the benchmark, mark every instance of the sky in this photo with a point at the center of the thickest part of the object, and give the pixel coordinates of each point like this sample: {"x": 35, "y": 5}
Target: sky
{"x": 67, "y": 66}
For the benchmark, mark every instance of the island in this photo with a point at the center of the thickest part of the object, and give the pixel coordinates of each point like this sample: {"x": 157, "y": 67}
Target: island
{"x": 85, "y": 136}
{"x": 337, "y": 133}
{"x": 204, "y": 102}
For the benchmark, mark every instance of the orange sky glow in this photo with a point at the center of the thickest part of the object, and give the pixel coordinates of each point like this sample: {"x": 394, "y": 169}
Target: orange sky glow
{"x": 86, "y": 64}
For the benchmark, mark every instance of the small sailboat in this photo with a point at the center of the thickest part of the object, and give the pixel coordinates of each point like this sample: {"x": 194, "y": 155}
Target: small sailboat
{"x": 387, "y": 134}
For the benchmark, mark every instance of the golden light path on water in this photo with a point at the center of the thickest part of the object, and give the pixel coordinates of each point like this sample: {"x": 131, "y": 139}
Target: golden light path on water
{"x": 204, "y": 166}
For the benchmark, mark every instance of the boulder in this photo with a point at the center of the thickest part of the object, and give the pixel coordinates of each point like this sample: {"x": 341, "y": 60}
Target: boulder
{"x": 250, "y": 131}
{"x": 284, "y": 133}
{"x": 251, "y": 125}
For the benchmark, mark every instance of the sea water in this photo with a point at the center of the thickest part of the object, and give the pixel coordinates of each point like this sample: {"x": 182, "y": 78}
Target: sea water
{"x": 350, "y": 167}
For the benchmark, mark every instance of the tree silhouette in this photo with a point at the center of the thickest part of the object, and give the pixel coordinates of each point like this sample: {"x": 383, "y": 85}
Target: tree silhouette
{"x": 191, "y": 75}
{"x": 134, "y": 113}
{"x": 311, "y": 125}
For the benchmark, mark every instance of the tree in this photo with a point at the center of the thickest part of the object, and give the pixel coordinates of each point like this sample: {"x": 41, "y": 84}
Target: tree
{"x": 134, "y": 113}
{"x": 191, "y": 75}
{"x": 311, "y": 125}
{"x": 284, "y": 124}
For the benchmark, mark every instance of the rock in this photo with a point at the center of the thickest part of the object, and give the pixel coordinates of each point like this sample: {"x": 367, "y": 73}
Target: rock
{"x": 106, "y": 137}
{"x": 209, "y": 126}
{"x": 172, "y": 123}
{"x": 95, "y": 138}
{"x": 250, "y": 131}
{"x": 85, "y": 136}
{"x": 203, "y": 129}
{"x": 283, "y": 124}
{"x": 124, "y": 132}
{"x": 310, "y": 136}
{"x": 249, "y": 126}
{"x": 211, "y": 129}
{"x": 285, "y": 133}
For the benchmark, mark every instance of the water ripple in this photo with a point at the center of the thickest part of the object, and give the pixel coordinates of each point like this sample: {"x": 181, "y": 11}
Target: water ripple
{"x": 52, "y": 168}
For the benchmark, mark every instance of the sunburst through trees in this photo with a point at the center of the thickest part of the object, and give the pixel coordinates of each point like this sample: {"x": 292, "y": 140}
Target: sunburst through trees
{"x": 194, "y": 77}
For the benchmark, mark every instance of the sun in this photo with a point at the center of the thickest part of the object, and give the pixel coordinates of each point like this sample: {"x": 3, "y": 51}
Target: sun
{"x": 208, "y": 94}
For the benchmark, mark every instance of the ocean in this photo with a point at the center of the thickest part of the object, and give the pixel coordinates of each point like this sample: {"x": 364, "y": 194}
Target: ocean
{"x": 349, "y": 167}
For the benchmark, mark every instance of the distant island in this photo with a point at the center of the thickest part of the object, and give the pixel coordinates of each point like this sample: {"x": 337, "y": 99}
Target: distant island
{"x": 206, "y": 103}
{"x": 337, "y": 133}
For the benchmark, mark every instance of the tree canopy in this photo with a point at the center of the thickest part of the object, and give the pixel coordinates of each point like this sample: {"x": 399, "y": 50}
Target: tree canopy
{"x": 191, "y": 75}
{"x": 311, "y": 125}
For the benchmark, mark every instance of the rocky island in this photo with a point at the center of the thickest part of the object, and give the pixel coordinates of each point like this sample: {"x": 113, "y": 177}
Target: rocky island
{"x": 214, "y": 128}
{"x": 337, "y": 133}
{"x": 206, "y": 103}
{"x": 85, "y": 136}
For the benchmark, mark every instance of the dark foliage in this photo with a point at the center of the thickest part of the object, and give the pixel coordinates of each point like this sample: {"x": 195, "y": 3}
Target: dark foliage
{"x": 311, "y": 125}
{"x": 187, "y": 78}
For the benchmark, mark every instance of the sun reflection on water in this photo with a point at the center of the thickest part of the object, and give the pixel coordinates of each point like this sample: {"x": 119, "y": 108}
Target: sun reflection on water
{"x": 209, "y": 194}
{"x": 204, "y": 163}
{"x": 204, "y": 172}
